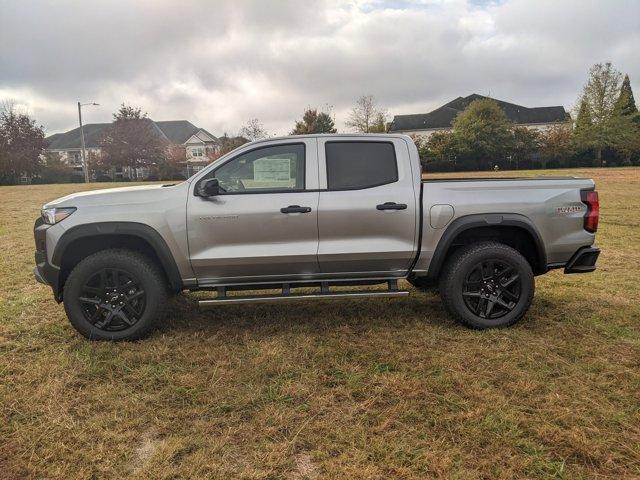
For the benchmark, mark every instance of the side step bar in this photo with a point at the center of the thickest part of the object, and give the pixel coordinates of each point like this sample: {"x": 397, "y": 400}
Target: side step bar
{"x": 287, "y": 296}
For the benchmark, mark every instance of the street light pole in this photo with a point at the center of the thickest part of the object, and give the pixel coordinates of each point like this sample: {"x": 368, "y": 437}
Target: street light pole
{"x": 85, "y": 165}
{"x": 84, "y": 153}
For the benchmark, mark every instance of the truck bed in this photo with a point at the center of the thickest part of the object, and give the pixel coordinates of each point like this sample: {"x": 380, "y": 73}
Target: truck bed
{"x": 552, "y": 204}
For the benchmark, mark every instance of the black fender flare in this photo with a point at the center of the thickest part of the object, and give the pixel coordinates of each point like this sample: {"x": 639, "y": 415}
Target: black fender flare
{"x": 467, "y": 222}
{"x": 134, "y": 229}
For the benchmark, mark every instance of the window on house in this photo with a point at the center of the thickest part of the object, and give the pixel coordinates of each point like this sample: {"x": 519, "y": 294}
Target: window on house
{"x": 279, "y": 168}
{"x": 356, "y": 165}
{"x": 197, "y": 151}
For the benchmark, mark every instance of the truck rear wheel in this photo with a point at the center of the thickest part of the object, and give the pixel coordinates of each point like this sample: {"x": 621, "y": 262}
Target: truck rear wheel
{"x": 114, "y": 295}
{"x": 487, "y": 285}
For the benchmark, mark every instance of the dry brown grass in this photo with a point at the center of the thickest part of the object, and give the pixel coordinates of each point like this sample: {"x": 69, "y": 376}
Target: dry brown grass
{"x": 373, "y": 388}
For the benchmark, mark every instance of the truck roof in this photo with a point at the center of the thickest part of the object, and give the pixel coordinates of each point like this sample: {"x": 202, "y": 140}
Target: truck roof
{"x": 336, "y": 135}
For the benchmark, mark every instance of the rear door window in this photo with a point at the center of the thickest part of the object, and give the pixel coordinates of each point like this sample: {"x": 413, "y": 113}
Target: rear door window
{"x": 356, "y": 165}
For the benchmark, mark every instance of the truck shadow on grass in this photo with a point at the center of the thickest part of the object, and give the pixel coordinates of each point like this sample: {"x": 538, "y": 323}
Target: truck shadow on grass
{"x": 183, "y": 314}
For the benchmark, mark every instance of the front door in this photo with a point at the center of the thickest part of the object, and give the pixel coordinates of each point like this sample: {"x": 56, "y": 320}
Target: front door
{"x": 263, "y": 226}
{"x": 367, "y": 214}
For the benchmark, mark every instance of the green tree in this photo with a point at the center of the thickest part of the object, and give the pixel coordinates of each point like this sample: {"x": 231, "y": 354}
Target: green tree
{"x": 21, "y": 144}
{"x": 600, "y": 94}
{"x": 524, "y": 142}
{"x": 440, "y": 151}
{"x": 626, "y": 120}
{"x": 379, "y": 123}
{"x": 314, "y": 122}
{"x": 626, "y": 104}
{"x": 441, "y": 146}
{"x": 583, "y": 119}
{"x": 582, "y": 138}
{"x": 483, "y": 132}
{"x": 421, "y": 144}
{"x": 625, "y": 135}
{"x": 556, "y": 146}
{"x": 54, "y": 170}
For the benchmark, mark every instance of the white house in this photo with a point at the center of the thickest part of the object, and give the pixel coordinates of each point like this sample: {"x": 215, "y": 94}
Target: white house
{"x": 425, "y": 124}
{"x": 198, "y": 143}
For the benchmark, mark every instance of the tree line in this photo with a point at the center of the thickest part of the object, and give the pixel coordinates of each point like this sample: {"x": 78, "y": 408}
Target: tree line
{"x": 606, "y": 131}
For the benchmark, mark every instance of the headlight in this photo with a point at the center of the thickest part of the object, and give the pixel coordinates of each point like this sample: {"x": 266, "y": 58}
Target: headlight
{"x": 55, "y": 215}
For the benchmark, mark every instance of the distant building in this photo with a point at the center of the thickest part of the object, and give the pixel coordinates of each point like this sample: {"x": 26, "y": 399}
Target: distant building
{"x": 198, "y": 144}
{"x": 425, "y": 124}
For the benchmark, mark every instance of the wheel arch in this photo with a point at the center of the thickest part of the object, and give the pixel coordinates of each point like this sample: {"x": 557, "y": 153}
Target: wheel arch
{"x": 83, "y": 240}
{"x": 512, "y": 229}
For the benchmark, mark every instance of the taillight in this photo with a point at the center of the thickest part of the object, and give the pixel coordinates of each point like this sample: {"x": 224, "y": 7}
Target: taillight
{"x": 590, "y": 199}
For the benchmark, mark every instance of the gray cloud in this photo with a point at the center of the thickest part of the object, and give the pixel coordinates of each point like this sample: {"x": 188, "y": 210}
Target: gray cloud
{"x": 219, "y": 64}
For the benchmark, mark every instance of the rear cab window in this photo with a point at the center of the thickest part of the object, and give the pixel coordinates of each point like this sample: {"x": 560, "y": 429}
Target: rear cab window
{"x": 354, "y": 165}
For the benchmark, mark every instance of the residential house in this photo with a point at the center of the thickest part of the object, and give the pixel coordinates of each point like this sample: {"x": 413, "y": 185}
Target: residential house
{"x": 425, "y": 124}
{"x": 198, "y": 143}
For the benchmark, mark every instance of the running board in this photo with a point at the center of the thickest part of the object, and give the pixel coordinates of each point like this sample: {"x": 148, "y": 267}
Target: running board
{"x": 311, "y": 296}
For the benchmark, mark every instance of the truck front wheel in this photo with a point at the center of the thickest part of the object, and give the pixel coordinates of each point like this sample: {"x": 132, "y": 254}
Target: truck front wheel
{"x": 114, "y": 295}
{"x": 487, "y": 285}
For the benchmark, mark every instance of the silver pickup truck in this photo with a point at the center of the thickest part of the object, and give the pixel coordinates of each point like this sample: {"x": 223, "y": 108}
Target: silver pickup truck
{"x": 314, "y": 212}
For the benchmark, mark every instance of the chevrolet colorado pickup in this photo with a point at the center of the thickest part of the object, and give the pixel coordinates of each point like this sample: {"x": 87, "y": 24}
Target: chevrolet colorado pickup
{"x": 312, "y": 212}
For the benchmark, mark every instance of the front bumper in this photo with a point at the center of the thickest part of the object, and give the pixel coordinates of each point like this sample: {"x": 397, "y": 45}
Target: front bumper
{"x": 44, "y": 272}
{"x": 583, "y": 261}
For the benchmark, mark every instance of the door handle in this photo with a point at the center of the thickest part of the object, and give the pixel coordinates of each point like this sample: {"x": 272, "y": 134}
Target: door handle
{"x": 295, "y": 209}
{"x": 392, "y": 206}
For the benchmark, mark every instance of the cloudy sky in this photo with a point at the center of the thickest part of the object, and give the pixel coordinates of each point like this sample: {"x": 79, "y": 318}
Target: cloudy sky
{"x": 219, "y": 64}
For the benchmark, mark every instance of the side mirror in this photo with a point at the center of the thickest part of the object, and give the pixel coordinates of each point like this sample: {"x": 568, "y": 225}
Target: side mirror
{"x": 209, "y": 188}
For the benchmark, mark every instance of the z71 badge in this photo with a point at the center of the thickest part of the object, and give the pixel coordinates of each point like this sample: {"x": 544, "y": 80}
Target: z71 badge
{"x": 569, "y": 209}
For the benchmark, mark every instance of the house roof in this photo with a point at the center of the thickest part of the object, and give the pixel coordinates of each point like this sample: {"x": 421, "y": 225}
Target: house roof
{"x": 52, "y": 138}
{"x": 71, "y": 139}
{"x": 175, "y": 131}
{"x": 444, "y": 116}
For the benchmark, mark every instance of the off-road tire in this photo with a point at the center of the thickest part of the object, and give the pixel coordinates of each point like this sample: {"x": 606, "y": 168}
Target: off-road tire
{"x": 454, "y": 280}
{"x": 148, "y": 278}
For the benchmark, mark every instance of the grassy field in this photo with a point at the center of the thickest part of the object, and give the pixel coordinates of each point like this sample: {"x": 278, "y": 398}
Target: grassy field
{"x": 375, "y": 388}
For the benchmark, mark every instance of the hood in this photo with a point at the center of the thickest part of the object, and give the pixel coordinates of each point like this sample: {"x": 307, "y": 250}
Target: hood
{"x": 113, "y": 196}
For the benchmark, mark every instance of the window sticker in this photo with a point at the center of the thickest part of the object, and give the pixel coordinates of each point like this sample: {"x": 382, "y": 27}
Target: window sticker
{"x": 271, "y": 169}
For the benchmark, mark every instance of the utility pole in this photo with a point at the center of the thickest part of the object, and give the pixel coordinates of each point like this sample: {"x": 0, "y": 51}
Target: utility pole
{"x": 85, "y": 166}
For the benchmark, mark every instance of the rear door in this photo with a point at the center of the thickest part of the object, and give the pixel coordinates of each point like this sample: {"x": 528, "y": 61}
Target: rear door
{"x": 367, "y": 207}
{"x": 263, "y": 226}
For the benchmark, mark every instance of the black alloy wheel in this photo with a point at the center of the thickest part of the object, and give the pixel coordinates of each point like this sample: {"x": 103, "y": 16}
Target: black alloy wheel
{"x": 112, "y": 300}
{"x": 115, "y": 294}
{"x": 492, "y": 289}
{"x": 487, "y": 285}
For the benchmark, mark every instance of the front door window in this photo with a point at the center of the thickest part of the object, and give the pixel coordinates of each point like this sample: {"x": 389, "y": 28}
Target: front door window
{"x": 277, "y": 168}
